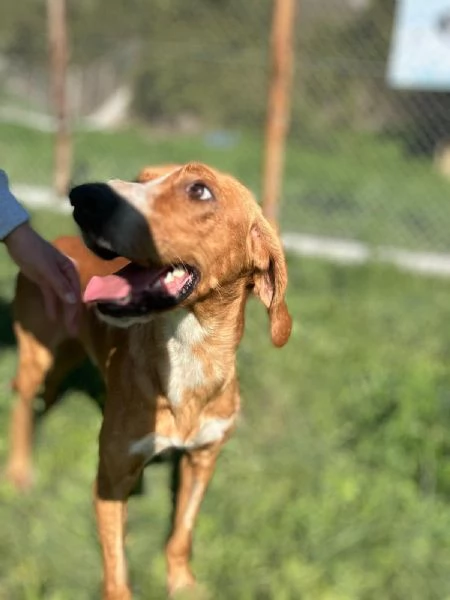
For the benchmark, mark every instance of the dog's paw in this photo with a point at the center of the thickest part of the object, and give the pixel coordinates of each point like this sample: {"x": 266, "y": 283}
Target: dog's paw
{"x": 194, "y": 591}
{"x": 20, "y": 476}
{"x": 179, "y": 581}
{"x": 182, "y": 585}
{"x": 122, "y": 593}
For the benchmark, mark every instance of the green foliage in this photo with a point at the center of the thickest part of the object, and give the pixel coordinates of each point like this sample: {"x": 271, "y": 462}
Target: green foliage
{"x": 335, "y": 485}
{"x": 18, "y": 31}
{"x": 363, "y": 186}
{"x": 163, "y": 93}
{"x": 340, "y": 83}
{"x": 27, "y": 154}
{"x": 343, "y": 83}
{"x": 210, "y": 65}
{"x": 354, "y": 185}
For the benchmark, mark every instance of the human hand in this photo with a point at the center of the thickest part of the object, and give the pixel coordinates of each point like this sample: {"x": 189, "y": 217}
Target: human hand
{"x": 53, "y": 272}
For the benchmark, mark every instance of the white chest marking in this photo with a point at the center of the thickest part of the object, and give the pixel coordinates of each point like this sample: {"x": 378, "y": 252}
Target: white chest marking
{"x": 183, "y": 370}
{"x": 212, "y": 430}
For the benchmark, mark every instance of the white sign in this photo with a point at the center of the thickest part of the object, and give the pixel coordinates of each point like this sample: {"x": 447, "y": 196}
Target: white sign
{"x": 420, "y": 50}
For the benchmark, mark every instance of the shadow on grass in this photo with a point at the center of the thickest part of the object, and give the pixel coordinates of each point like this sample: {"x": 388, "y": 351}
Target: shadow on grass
{"x": 7, "y": 338}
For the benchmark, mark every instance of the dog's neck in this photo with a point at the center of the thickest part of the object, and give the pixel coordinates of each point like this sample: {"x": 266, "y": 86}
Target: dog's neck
{"x": 194, "y": 349}
{"x": 201, "y": 345}
{"x": 188, "y": 354}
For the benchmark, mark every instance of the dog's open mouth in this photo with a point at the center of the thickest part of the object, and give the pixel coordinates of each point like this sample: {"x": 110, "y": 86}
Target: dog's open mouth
{"x": 135, "y": 291}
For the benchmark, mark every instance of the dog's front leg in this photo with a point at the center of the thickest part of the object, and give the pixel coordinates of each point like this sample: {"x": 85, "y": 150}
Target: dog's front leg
{"x": 111, "y": 525}
{"x": 195, "y": 471}
{"x": 116, "y": 477}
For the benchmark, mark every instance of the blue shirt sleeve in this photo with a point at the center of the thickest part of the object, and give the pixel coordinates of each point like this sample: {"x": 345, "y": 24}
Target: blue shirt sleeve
{"x": 12, "y": 214}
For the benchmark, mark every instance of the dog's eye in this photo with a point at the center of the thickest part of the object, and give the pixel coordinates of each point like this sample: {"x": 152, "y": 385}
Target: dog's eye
{"x": 199, "y": 191}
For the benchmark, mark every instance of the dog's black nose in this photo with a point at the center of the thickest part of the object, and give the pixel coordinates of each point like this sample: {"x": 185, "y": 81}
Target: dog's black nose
{"x": 93, "y": 196}
{"x": 110, "y": 225}
{"x": 94, "y": 204}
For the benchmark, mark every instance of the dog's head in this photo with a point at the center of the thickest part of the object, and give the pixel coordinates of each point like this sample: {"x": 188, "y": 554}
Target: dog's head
{"x": 188, "y": 231}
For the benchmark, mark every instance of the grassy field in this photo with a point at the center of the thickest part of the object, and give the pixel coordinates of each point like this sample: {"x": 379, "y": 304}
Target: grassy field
{"x": 336, "y": 485}
{"x": 352, "y": 185}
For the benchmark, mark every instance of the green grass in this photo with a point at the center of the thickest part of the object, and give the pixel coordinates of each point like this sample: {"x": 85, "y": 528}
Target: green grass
{"x": 121, "y": 153}
{"x": 353, "y": 185}
{"x": 366, "y": 187}
{"x": 335, "y": 486}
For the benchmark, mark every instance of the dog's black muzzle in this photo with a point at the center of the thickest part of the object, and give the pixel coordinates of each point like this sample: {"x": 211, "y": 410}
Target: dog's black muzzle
{"x": 110, "y": 225}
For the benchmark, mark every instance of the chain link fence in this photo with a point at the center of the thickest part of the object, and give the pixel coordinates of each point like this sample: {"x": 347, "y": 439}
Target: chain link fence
{"x": 344, "y": 447}
{"x": 372, "y": 162}
{"x": 364, "y": 161}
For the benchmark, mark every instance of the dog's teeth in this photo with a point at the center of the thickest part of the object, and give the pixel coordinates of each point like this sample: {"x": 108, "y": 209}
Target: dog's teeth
{"x": 169, "y": 277}
{"x": 178, "y": 272}
{"x": 125, "y": 300}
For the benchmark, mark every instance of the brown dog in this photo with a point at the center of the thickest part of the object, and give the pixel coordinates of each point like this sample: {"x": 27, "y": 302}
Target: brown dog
{"x": 163, "y": 326}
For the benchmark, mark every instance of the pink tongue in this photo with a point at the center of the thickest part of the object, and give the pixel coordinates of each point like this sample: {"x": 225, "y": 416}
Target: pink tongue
{"x": 111, "y": 287}
{"x": 131, "y": 278}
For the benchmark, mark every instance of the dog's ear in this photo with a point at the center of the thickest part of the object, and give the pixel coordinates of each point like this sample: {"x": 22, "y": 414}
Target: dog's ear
{"x": 270, "y": 278}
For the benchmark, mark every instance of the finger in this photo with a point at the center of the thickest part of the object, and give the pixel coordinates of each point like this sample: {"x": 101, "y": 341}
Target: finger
{"x": 72, "y": 300}
{"x": 71, "y": 316}
{"x": 72, "y": 278}
{"x": 63, "y": 282}
{"x": 50, "y": 301}
{"x": 70, "y": 312}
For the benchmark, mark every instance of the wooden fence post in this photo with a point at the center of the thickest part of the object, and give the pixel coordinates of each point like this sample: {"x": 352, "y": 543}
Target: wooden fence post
{"x": 278, "y": 111}
{"x": 58, "y": 46}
